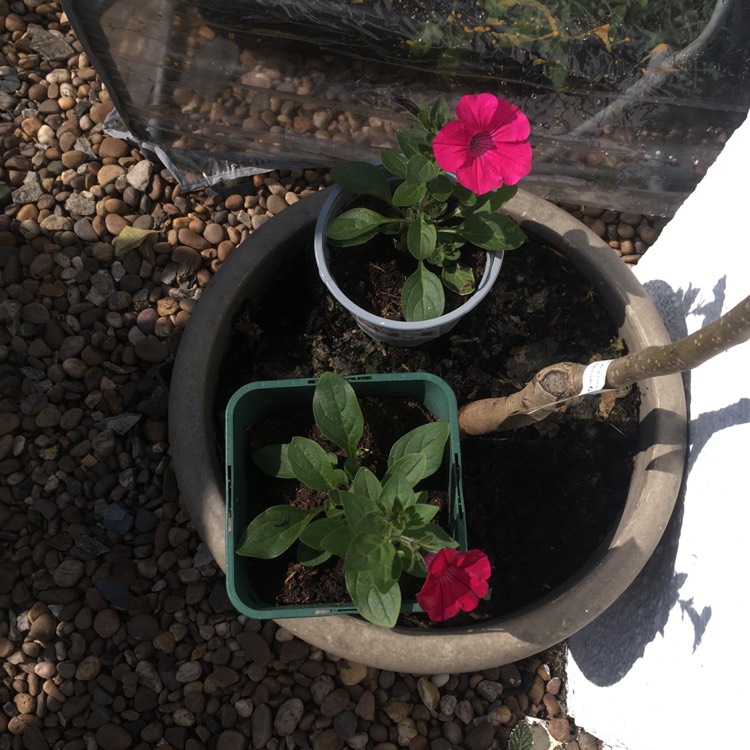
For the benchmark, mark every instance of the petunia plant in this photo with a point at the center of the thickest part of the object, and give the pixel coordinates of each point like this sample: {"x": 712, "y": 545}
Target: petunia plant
{"x": 452, "y": 176}
{"x": 381, "y": 527}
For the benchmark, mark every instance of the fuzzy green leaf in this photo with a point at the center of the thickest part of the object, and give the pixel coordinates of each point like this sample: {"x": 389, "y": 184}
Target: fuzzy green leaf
{"x": 409, "y": 141}
{"x": 417, "y": 516}
{"x": 501, "y": 195}
{"x": 422, "y": 297}
{"x": 407, "y": 194}
{"x": 355, "y": 223}
{"x": 412, "y": 561}
{"x": 439, "y": 113}
{"x": 397, "y": 493}
{"x": 337, "y": 412}
{"x": 394, "y": 163}
{"x": 369, "y": 552}
{"x": 366, "y": 483}
{"x": 428, "y": 439}
{"x": 373, "y": 523}
{"x": 411, "y": 466}
{"x": 337, "y": 541}
{"x": 421, "y": 238}
{"x": 458, "y": 279}
{"x": 361, "y": 178}
{"x": 356, "y": 506}
{"x": 492, "y": 231}
{"x": 274, "y": 531}
{"x": 310, "y": 464}
{"x": 433, "y": 537}
{"x": 314, "y": 533}
{"x": 441, "y": 187}
{"x": 419, "y": 169}
{"x": 311, "y": 557}
{"x": 379, "y": 608}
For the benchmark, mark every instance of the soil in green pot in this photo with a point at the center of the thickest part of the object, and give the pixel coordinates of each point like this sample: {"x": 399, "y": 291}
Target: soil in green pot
{"x": 539, "y": 500}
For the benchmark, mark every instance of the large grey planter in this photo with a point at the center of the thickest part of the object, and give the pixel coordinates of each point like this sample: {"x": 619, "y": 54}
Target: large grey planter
{"x": 653, "y": 491}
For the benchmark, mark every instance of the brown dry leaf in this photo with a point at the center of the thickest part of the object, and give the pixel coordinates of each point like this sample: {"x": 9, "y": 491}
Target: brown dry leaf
{"x": 131, "y": 238}
{"x": 607, "y": 402}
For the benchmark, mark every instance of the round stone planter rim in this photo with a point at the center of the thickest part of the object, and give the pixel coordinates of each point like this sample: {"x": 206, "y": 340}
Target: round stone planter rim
{"x": 655, "y": 482}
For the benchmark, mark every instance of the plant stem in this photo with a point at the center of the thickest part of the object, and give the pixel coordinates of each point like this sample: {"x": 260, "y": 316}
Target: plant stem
{"x": 562, "y": 382}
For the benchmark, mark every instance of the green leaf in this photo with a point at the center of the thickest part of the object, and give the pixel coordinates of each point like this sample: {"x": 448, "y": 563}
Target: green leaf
{"x": 274, "y": 531}
{"x": 421, "y": 238}
{"x": 356, "y": 506}
{"x": 521, "y": 738}
{"x": 419, "y": 169}
{"x": 332, "y": 505}
{"x": 409, "y": 141}
{"x": 422, "y": 297}
{"x": 458, "y": 279}
{"x": 360, "y": 239}
{"x": 369, "y": 552}
{"x": 366, "y": 483}
{"x": 465, "y": 196}
{"x": 417, "y": 516}
{"x": 433, "y": 537}
{"x": 359, "y": 177}
{"x": 310, "y": 464}
{"x": 427, "y": 439}
{"x": 411, "y": 467}
{"x": 440, "y": 188}
{"x": 412, "y": 561}
{"x": 440, "y": 113}
{"x": 337, "y": 412}
{"x": 355, "y": 223}
{"x": 375, "y": 523}
{"x": 338, "y": 541}
{"x": 407, "y": 194}
{"x": 394, "y": 163}
{"x": 272, "y": 460}
{"x": 501, "y": 195}
{"x": 314, "y": 533}
{"x": 351, "y": 466}
{"x": 379, "y": 561}
{"x": 397, "y": 488}
{"x": 492, "y": 231}
{"x": 310, "y": 557}
{"x": 379, "y": 608}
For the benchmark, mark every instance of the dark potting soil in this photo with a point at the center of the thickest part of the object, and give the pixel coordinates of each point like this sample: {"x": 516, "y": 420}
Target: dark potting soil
{"x": 540, "y": 500}
{"x": 372, "y": 275}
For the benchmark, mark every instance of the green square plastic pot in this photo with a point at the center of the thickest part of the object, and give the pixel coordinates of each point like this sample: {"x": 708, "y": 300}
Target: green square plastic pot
{"x": 254, "y": 402}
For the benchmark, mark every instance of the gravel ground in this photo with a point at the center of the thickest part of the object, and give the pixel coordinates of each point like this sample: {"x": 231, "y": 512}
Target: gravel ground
{"x": 115, "y": 628}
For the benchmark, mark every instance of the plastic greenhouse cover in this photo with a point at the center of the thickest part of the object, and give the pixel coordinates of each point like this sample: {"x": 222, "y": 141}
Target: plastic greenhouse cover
{"x": 629, "y": 101}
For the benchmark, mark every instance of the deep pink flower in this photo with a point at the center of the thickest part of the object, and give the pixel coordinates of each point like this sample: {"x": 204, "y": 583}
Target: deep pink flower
{"x": 455, "y": 581}
{"x": 487, "y": 145}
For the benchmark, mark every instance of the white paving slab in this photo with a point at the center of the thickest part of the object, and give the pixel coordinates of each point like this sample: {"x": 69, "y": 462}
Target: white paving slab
{"x": 659, "y": 669}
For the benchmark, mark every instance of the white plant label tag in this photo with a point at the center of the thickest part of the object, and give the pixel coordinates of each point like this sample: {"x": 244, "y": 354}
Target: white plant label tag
{"x": 594, "y": 377}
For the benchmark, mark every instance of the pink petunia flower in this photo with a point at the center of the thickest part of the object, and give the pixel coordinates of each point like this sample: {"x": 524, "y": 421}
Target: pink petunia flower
{"x": 487, "y": 146}
{"x": 455, "y": 581}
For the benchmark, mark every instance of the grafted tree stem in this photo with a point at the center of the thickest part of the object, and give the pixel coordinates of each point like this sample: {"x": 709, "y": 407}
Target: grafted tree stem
{"x": 564, "y": 381}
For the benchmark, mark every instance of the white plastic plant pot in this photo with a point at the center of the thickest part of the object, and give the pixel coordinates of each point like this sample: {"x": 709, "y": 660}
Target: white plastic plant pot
{"x": 396, "y": 332}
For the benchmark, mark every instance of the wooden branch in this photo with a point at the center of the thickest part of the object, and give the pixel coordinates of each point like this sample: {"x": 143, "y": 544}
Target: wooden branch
{"x": 564, "y": 381}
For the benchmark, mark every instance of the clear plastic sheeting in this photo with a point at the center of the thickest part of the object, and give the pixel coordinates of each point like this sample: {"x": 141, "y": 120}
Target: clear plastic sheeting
{"x": 630, "y": 102}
